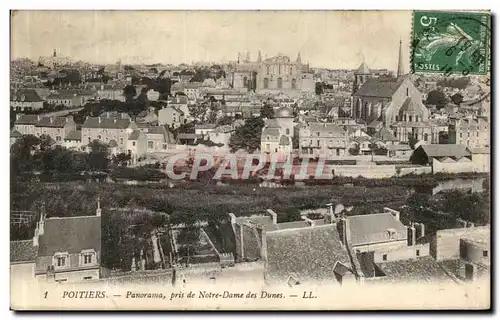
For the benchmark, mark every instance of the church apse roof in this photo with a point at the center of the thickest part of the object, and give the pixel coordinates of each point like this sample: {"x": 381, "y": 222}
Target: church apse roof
{"x": 379, "y": 87}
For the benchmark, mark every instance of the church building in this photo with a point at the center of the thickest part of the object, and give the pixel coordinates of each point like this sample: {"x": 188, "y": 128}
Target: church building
{"x": 393, "y": 103}
{"x": 272, "y": 75}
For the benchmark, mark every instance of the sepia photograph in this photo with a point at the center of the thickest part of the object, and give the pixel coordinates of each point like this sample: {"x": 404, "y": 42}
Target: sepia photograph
{"x": 250, "y": 160}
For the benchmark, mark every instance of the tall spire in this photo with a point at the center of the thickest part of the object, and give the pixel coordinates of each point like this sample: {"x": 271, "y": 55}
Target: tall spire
{"x": 400, "y": 60}
{"x": 299, "y": 59}
{"x": 259, "y": 58}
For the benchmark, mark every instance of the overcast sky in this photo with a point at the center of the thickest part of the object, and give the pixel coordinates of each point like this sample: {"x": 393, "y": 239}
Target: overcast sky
{"x": 330, "y": 39}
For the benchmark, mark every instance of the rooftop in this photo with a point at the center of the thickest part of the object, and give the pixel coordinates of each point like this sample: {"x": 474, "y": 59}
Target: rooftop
{"x": 445, "y": 150}
{"x": 373, "y": 228}
{"x": 70, "y": 234}
{"x": 424, "y": 269}
{"x": 309, "y": 254}
{"x": 379, "y": 87}
{"x": 22, "y": 251}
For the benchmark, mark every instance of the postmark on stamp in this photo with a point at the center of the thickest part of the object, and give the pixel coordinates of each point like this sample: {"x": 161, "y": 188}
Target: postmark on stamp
{"x": 451, "y": 42}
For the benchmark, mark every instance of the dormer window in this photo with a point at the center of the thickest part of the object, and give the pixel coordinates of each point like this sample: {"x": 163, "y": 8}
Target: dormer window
{"x": 87, "y": 257}
{"x": 60, "y": 260}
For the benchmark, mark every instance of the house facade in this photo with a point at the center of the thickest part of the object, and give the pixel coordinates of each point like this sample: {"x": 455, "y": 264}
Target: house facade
{"x": 25, "y": 99}
{"x": 55, "y": 127}
{"x": 322, "y": 139}
{"x": 108, "y": 129}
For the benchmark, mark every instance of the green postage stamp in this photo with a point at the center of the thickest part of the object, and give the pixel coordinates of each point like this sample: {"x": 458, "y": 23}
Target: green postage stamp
{"x": 451, "y": 42}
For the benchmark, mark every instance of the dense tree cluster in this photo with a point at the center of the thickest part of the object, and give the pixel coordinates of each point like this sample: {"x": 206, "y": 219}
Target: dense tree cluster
{"x": 247, "y": 136}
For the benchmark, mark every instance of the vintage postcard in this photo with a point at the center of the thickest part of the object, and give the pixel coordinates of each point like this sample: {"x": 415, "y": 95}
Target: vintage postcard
{"x": 250, "y": 160}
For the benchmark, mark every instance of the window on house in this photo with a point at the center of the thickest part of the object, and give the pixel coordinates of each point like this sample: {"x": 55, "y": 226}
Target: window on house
{"x": 121, "y": 140}
{"x": 418, "y": 253}
{"x": 150, "y": 144}
{"x": 164, "y": 146}
{"x": 426, "y": 136}
{"x": 87, "y": 258}
{"x": 460, "y": 135}
{"x": 338, "y": 152}
{"x": 411, "y": 118}
{"x": 133, "y": 143}
{"x": 87, "y": 278}
{"x": 287, "y": 131}
{"x": 407, "y": 92}
{"x": 317, "y": 143}
{"x": 61, "y": 261}
{"x": 58, "y": 138}
{"x": 317, "y": 134}
{"x": 384, "y": 257}
{"x": 485, "y": 253}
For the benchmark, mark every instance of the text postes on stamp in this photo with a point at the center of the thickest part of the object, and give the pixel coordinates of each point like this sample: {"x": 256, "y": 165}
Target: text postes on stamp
{"x": 451, "y": 42}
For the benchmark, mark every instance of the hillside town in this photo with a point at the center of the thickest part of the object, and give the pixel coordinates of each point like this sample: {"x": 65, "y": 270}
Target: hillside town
{"x": 404, "y": 158}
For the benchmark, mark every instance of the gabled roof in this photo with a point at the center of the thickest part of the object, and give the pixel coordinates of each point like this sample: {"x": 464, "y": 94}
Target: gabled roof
{"x": 27, "y": 119}
{"x": 106, "y": 123}
{"x": 134, "y": 135}
{"x": 372, "y": 228}
{"x": 310, "y": 254}
{"x": 410, "y": 105}
{"x": 385, "y": 134}
{"x": 74, "y": 135}
{"x": 22, "y": 251}
{"x": 445, "y": 150}
{"x": 284, "y": 141}
{"x": 327, "y": 127}
{"x": 25, "y": 95}
{"x": 51, "y": 122}
{"x": 424, "y": 269}
{"x": 15, "y": 134}
{"x": 61, "y": 95}
{"x": 156, "y": 130}
{"x": 363, "y": 69}
{"x": 397, "y": 147}
{"x": 71, "y": 235}
{"x": 379, "y": 87}
{"x": 273, "y": 132}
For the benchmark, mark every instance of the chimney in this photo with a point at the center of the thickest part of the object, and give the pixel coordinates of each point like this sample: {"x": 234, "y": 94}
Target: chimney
{"x": 274, "y": 215}
{"x": 412, "y": 235}
{"x": 35, "y": 237}
{"x": 38, "y": 117}
{"x": 233, "y": 218}
{"x": 134, "y": 266}
{"x": 263, "y": 243}
{"x": 470, "y": 272}
{"x": 346, "y": 231}
{"x": 143, "y": 260}
{"x": 422, "y": 230}
{"x": 99, "y": 119}
{"x": 98, "y": 210}
{"x": 51, "y": 275}
{"x": 41, "y": 223}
